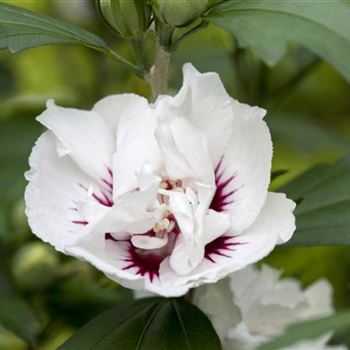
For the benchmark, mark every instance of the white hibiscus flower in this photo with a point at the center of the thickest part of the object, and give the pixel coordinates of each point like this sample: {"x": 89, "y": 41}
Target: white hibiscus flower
{"x": 251, "y": 306}
{"x": 160, "y": 197}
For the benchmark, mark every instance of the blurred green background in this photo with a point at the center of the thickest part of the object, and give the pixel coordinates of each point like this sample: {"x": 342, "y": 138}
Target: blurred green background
{"x": 308, "y": 107}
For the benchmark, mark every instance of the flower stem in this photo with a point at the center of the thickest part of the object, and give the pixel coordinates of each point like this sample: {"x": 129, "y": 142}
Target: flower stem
{"x": 158, "y": 75}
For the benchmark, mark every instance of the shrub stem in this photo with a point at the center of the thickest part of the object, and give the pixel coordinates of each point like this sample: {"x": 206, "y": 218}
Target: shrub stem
{"x": 158, "y": 75}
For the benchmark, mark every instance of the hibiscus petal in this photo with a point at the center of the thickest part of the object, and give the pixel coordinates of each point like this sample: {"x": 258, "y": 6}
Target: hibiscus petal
{"x": 90, "y": 209}
{"x": 130, "y": 213}
{"x": 319, "y": 296}
{"x": 185, "y": 151}
{"x": 113, "y": 108}
{"x": 136, "y": 146}
{"x": 83, "y": 135}
{"x": 243, "y": 174}
{"x": 131, "y": 219}
{"x": 204, "y": 102}
{"x": 215, "y": 225}
{"x": 189, "y": 249}
{"x": 148, "y": 242}
{"x": 251, "y": 285}
{"x": 52, "y": 194}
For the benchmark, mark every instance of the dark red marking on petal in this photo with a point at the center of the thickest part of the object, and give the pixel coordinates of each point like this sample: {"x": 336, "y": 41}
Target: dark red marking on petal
{"x": 220, "y": 246}
{"x": 80, "y": 222}
{"x": 102, "y": 198}
{"x": 110, "y": 172}
{"x": 108, "y": 181}
{"x": 109, "y": 185}
{"x": 147, "y": 264}
{"x": 222, "y": 196}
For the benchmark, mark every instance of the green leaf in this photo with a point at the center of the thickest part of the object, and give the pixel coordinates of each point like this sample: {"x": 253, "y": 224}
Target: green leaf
{"x": 277, "y": 173}
{"x": 268, "y": 26}
{"x": 147, "y": 324}
{"x": 323, "y": 215}
{"x": 18, "y": 317}
{"x": 309, "y": 330}
{"x": 13, "y": 154}
{"x": 22, "y": 29}
{"x": 301, "y": 132}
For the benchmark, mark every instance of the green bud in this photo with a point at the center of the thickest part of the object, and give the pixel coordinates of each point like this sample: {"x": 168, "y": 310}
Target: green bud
{"x": 179, "y": 12}
{"x": 129, "y": 18}
{"x": 34, "y": 266}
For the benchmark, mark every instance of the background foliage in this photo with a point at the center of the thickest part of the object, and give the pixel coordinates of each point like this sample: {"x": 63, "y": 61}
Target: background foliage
{"x": 308, "y": 112}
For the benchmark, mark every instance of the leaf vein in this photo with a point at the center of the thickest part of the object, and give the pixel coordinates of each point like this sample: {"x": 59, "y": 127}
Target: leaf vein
{"x": 182, "y": 325}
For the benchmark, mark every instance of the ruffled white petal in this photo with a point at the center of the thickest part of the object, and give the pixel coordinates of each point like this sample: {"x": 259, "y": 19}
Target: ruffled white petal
{"x": 185, "y": 151}
{"x": 89, "y": 209}
{"x": 115, "y": 107}
{"x": 319, "y": 297}
{"x": 248, "y": 160}
{"x": 146, "y": 242}
{"x": 130, "y": 213}
{"x": 136, "y": 148}
{"x": 251, "y": 285}
{"x": 188, "y": 251}
{"x": 215, "y": 225}
{"x": 204, "y": 102}
{"x": 83, "y": 135}
{"x": 52, "y": 194}
{"x": 119, "y": 220}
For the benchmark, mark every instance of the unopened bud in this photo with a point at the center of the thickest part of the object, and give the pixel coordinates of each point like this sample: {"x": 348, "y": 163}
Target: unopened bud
{"x": 34, "y": 265}
{"x": 180, "y": 12}
{"x": 129, "y": 18}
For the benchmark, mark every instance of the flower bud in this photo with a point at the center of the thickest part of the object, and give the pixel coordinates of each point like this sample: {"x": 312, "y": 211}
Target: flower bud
{"x": 129, "y": 19}
{"x": 180, "y": 12}
{"x": 34, "y": 265}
